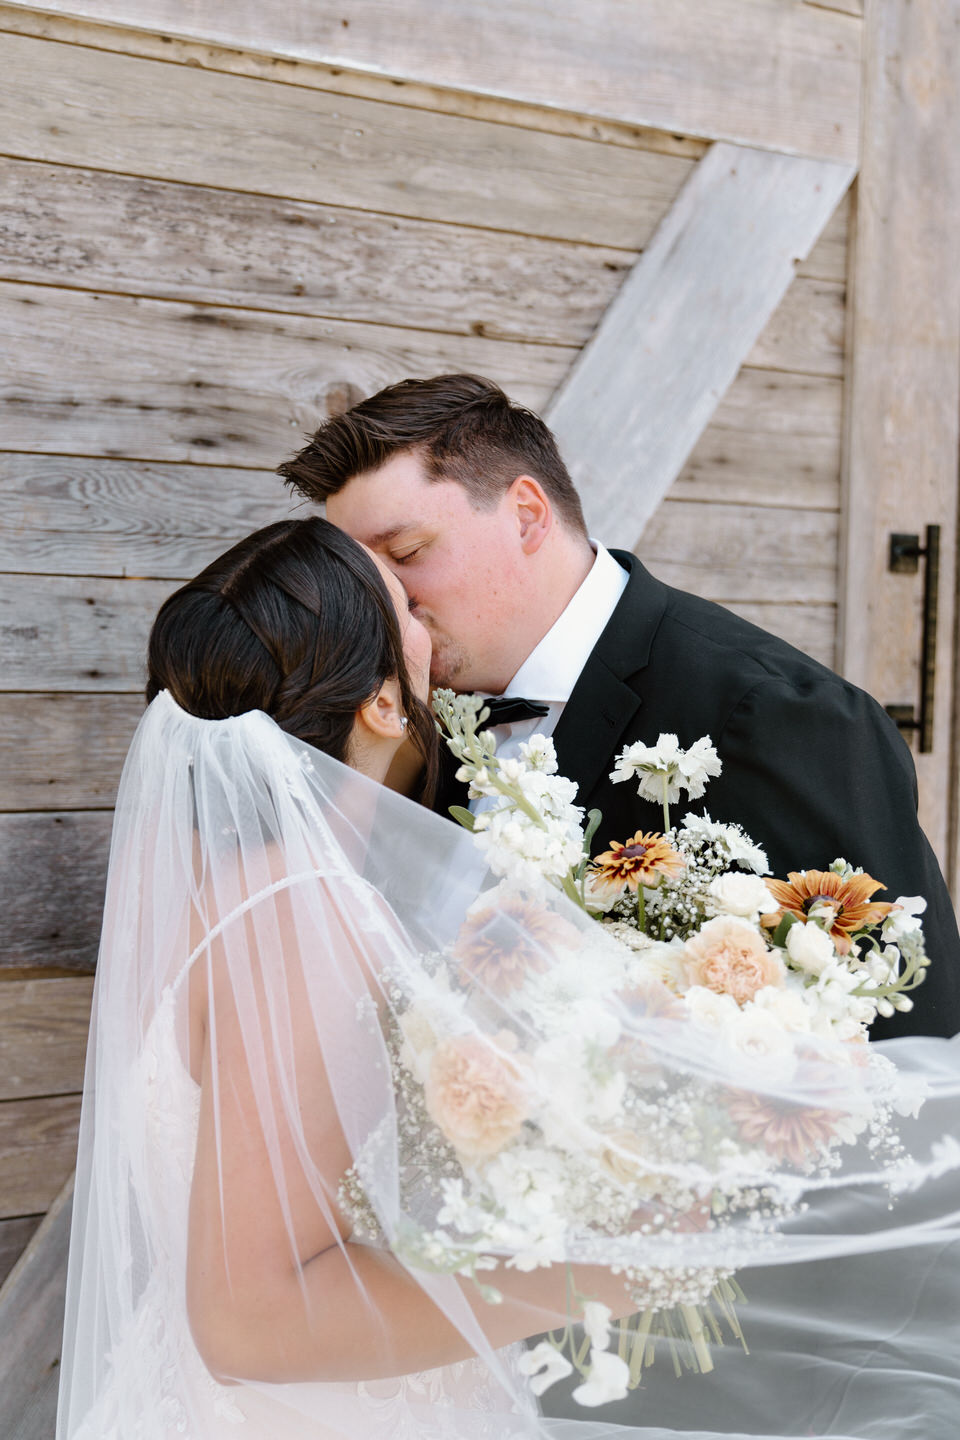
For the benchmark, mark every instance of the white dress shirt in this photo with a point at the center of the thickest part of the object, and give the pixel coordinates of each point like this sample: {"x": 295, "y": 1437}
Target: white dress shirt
{"x": 550, "y": 671}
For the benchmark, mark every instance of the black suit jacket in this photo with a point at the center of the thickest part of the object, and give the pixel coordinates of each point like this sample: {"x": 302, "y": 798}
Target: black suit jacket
{"x": 813, "y": 768}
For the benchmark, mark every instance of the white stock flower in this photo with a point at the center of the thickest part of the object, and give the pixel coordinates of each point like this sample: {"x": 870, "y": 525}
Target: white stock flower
{"x": 596, "y": 1323}
{"x": 539, "y": 754}
{"x": 608, "y": 1379}
{"x": 742, "y": 895}
{"x": 810, "y": 948}
{"x": 544, "y": 1365}
{"x": 906, "y": 920}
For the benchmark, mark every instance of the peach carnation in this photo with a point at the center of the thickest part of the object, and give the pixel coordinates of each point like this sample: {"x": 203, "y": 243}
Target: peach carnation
{"x": 728, "y": 956}
{"x": 475, "y": 1095}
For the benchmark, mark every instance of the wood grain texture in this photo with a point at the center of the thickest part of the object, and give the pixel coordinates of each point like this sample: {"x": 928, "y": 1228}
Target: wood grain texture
{"x": 643, "y": 390}
{"x": 52, "y": 874}
{"x": 845, "y": 7}
{"x": 38, "y": 1150}
{"x": 15, "y": 1235}
{"x": 805, "y": 333}
{"x": 174, "y": 50}
{"x": 31, "y": 1328}
{"x": 677, "y": 67}
{"x": 774, "y": 439}
{"x": 85, "y": 229}
{"x": 736, "y": 554}
{"x": 75, "y": 106}
{"x": 77, "y": 515}
{"x": 76, "y": 633}
{"x": 903, "y": 423}
{"x": 159, "y": 380}
{"x": 43, "y": 1036}
{"x": 63, "y": 751}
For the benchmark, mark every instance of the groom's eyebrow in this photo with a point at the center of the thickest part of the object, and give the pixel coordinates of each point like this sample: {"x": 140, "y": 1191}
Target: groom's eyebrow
{"x": 385, "y": 537}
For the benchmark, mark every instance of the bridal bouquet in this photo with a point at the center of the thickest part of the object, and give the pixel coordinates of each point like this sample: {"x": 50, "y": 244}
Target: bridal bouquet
{"x": 544, "y": 1118}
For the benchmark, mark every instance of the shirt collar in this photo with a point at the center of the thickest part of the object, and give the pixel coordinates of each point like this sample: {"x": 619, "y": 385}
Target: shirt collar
{"x": 550, "y": 671}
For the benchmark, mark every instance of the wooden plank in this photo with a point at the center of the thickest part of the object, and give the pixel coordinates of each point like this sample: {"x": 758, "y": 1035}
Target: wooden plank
{"x": 846, "y": 7}
{"x": 828, "y": 258}
{"x": 902, "y": 443}
{"x": 14, "y": 1237}
{"x": 736, "y": 554}
{"x": 676, "y": 67}
{"x": 806, "y": 331}
{"x": 159, "y": 380}
{"x": 38, "y": 1150}
{"x": 84, "y": 228}
{"x": 76, "y": 515}
{"x": 52, "y": 874}
{"x": 75, "y": 106}
{"x": 76, "y": 633}
{"x": 643, "y": 390}
{"x": 63, "y": 751}
{"x": 773, "y": 440}
{"x": 43, "y": 1036}
{"x": 174, "y": 50}
{"x": 31, "y": 1327}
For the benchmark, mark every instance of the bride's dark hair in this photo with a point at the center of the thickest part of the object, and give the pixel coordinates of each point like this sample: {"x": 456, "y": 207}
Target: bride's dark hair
{"x": 296, "y": 621}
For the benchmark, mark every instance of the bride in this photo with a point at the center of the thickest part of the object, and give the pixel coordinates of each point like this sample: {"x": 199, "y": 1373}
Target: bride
{"x": 263, "y": 886}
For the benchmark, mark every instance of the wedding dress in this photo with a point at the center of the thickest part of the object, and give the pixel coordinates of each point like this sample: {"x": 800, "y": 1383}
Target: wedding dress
{"x": 242, "y": 857}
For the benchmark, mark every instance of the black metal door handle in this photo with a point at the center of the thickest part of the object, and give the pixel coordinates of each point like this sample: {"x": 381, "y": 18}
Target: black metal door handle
{"x": 906, "y": 553}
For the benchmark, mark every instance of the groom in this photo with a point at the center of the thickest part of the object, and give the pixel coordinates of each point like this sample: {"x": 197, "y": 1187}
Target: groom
{"x": 465, "y": 496}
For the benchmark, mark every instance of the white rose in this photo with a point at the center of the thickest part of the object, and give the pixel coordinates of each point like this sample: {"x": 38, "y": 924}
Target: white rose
{"x": 709, "y": 1009}
{"x": 738, "y": 894}
{"x": 809, "y": 947}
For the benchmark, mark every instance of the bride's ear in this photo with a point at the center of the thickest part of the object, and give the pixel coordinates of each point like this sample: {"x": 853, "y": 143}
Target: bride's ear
{"x": 383, "y": 716}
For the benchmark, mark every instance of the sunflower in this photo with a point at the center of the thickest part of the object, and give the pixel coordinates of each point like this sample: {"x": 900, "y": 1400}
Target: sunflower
{"x": 642, "y": 860}
{"x": 849, "y": 899}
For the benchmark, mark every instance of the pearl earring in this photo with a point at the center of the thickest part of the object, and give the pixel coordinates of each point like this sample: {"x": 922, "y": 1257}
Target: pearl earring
{"x": 404, "y": 722}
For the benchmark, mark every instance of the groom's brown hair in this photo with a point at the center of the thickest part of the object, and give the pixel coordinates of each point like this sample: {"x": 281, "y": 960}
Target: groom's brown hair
{"x": 462, "y": 426}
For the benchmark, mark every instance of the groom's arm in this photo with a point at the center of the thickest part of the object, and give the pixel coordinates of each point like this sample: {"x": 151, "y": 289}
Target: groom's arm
{"x": 815, "y": 769}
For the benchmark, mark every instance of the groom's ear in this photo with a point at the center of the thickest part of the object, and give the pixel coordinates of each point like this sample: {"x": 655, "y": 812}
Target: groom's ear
{"x": 533, "y": 511}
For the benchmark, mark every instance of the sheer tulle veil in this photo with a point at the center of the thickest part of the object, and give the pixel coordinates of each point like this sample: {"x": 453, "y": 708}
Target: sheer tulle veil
{"x": 299, "y": 899}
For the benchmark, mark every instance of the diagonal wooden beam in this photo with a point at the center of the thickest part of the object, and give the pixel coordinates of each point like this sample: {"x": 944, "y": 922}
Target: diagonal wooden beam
{"x": 645, "y": 386}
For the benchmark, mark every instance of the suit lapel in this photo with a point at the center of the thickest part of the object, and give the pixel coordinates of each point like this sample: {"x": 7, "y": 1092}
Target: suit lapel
{"x": 609, "y": 691}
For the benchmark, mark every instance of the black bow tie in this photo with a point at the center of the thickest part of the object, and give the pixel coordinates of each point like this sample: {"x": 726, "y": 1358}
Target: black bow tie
{"x": 506, "y": 709}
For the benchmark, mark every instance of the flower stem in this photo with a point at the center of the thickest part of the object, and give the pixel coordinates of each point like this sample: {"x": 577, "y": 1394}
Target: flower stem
{"x": 666, "y": 807}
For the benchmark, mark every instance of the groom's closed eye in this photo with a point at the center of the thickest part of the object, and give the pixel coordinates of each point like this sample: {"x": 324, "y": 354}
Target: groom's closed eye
{"x": 401, "y": 557}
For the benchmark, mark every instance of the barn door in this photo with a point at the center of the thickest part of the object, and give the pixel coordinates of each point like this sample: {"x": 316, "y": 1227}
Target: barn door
{"x": 899, "y": 547}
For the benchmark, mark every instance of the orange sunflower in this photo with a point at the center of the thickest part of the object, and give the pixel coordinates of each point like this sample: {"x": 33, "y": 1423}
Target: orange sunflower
{"x": 642, "y": 860}
{"x": 850, "y": 900}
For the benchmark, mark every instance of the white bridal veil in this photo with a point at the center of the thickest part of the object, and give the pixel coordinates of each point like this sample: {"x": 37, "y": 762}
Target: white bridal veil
{"x": 266, "y": 897}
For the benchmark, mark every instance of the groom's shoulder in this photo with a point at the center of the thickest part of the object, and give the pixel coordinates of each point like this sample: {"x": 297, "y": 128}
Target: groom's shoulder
{"x": 699, "y": 638}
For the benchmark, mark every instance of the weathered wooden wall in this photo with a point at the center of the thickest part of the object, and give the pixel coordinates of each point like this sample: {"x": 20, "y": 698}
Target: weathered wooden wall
{"x": 203, "y": 251}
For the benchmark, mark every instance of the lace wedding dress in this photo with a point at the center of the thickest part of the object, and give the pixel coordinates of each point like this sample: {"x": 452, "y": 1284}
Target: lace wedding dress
{"x": 158, "y": 1387}
{"x": 296, "y": 890}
